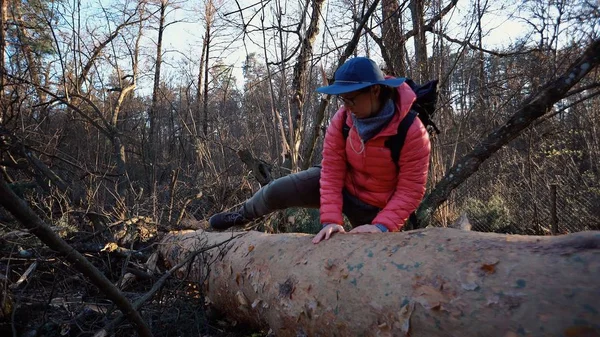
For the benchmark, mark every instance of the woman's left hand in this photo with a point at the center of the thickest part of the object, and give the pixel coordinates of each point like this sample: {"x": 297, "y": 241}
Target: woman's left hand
{"x": 365, "y": 229}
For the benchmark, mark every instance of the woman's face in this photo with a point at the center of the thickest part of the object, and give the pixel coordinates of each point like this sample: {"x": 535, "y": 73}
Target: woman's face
{"x": 362, "y": 103}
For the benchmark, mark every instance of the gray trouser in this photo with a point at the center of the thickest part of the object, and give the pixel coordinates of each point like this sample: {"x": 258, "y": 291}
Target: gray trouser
{"x": 302, "y": 190}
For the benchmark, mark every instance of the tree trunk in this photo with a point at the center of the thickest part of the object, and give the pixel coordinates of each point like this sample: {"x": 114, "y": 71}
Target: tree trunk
{"x": 299, "y": 84}
{"x": 202, "y": 89}
{"x": 121, "y": 160}
{"x": 532, "y": 108}
{"x": 3, "y": 19}
{"x": 32, "y": 64}
{"x": 205, "y": 96}
{"x": 421, "y": 69}
{"x": 199, "y": 89}
{"x": 277, "y": 123}
{"x": 126, "y": 89}
{"x": 482, "y": 95}
{"x": 153, "y": 146}
{"x": 392, "y": 40}
{"x": 432, "y": 282}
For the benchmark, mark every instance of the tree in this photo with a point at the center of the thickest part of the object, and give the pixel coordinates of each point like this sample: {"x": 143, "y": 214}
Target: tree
{"x": 421, "y": 72}
{"x": 300, "y": 83}
{"x": 3, "y": 19}
{"x": 391, "y": 38}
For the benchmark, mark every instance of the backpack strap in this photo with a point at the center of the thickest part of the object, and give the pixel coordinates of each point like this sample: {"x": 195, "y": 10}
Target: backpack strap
{"x": 396, "y": 142}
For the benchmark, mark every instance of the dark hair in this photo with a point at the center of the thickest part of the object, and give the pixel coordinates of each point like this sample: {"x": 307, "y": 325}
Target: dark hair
{"x": 387, "y": 92}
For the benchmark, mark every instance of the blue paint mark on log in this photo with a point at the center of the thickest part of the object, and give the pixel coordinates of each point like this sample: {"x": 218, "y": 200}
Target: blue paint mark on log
{"x": 395, "y": 249}
{"x": 590, "y": 309}
{"x": 578, "y": 259}
{"x": 402, "y": 266}
{"x": 579, "y": 321}
{"x": 353, "y": 281}
{"x": 356, "y": 266}
{"x": 405, "y": 301}
{"x": 521, "y": 283}
{"x": 369, "y": 253}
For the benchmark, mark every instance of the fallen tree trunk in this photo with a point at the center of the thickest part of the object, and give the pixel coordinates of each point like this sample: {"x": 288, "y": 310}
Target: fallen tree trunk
{"x": 431, "y": 282}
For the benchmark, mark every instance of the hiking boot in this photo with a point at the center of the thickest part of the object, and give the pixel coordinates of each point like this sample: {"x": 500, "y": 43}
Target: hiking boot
{"x": 225, "y": 220}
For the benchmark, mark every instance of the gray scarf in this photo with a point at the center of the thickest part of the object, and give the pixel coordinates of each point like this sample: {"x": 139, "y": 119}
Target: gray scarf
{"x": 371, "y": 126}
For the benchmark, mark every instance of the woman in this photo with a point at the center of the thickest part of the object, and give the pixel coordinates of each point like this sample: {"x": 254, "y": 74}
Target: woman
{"x": 358, "y": 177}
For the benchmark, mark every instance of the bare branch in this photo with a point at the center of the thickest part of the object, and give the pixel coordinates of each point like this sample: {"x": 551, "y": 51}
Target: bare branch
{"x": 475, "y": 47}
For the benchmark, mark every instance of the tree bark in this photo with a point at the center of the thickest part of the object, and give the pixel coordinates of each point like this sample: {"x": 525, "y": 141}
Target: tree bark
{"x": 200, "y": 88}
{"x": 299, "y": 84}
{"x": 3, "y": 19}
{"x": 532, "y": 108}
{"x": 417, "y": 13}
{"x": 153, "y": 146}
{"x": 283, "y": 144}
{"x": 207, "y": 38}
{"x": 431, "y": 282}
{"x": 126, "y": 89}
{"x": 392, "y": 40}
{"x": 32, "y": 63}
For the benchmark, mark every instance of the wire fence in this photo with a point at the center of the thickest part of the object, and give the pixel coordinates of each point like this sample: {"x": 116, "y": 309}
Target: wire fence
{"x": 538, "y": 206}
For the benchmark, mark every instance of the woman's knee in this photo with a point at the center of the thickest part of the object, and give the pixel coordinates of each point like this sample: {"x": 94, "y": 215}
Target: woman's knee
{"x": 278, "y": 192}
{"x": 294, "y": 190}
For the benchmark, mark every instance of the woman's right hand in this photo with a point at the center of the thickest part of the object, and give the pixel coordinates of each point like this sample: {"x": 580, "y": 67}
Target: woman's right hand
{"x": 326, "y": 232}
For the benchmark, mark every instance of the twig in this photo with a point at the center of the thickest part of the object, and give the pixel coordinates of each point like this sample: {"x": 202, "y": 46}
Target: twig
{"x": 20, "y": 210}
{"x": 157, "y": 286}
{"x": 25, "y": 275}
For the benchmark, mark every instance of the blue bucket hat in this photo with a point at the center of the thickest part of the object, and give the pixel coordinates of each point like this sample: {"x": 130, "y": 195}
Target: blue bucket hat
{"x": 358, "y": 73}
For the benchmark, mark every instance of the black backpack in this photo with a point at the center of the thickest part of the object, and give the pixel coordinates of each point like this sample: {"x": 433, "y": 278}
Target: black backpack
{"x": 423, "y": 107}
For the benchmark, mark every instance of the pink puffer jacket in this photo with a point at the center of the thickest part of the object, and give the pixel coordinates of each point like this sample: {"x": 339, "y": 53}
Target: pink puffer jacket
{"x": 371, "y": 175}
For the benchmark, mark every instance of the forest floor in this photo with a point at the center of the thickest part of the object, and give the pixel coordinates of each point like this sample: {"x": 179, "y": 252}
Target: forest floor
{"x": 41, "y": 294}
